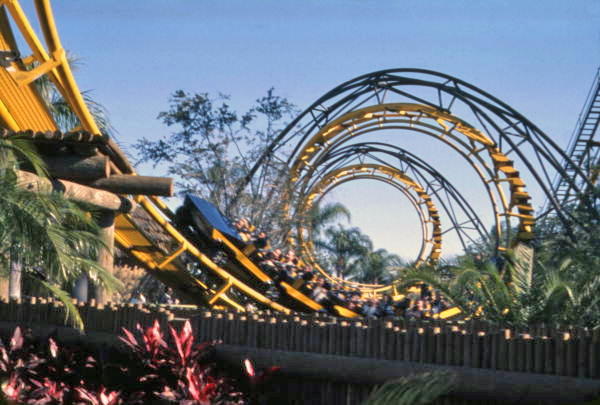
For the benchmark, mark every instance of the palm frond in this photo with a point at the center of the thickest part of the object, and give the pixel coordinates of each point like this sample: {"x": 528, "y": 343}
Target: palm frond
{"x": 71, "y": 313}
{"x": 419, "y": 389}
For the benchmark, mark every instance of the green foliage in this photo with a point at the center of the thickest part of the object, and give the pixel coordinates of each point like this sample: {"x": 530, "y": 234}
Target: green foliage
{"x": 420, "y": 389}
{"x": 319, "y": 216}
{"x": 563, "y": 286}
{"x": 342, "y": 247}
{"x": 348, "y": 252}
{"x": 65, "y": 118}
{"x": 213, "y": 148}
{"x": 52, "y": 239}
{"x": 377, "y": 266}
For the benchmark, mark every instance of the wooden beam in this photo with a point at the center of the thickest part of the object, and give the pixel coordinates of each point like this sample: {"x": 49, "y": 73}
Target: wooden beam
{"x": 77, "y": 192}
{"x": 137, "y": 185}
{"x": 85, "y": 149}
{"x": 106, "y": 222}
{"x": 469, "y": 383}
{"x": 77, "y": 168}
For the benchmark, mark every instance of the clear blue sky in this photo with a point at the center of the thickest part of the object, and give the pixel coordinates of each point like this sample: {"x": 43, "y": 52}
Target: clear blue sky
{"x": 538, "y": 56}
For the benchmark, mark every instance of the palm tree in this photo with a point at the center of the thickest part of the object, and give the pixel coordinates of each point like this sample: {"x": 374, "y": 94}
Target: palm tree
{"x": 67, "y": 120}
{"x": 44, "y": 236}
{"x": 559, "y": 294}
{"x": 377, "y": 266}
{"x": 343, "y": 246}
{"x": 61, "y": 111}
{"x": 320, "y": 216}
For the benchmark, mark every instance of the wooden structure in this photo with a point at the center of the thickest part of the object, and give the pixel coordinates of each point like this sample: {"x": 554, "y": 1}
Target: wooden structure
{"x": 79, "y": 158}
{"x": 328, "y": 360}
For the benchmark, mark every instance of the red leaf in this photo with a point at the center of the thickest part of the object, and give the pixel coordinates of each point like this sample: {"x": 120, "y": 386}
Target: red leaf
{"x": 186, "y": 331}
{"x": 167, "y": 394}
{"x": 108, "y": 398}
{"x": 192, "y": 384}
{"x": 188, "y": 346}
{"x": 13, "y": 388}
{"x": 130, "y": 340}
{"x": 4, "y": 355}
{"x": 178, "y": 345}
{"x": 86, "y": 395}
{"x": 53, "y": 348}
{"x": 249, "y": 367}
{"x": 16, "y": 342}
{"x": 209, "y": 390}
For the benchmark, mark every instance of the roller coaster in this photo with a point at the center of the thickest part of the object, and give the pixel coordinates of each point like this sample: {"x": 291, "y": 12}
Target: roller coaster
{"x": 332, "y": 142}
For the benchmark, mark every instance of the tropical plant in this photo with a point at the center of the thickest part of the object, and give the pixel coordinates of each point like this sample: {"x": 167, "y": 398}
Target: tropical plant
{"x": 342, "y": 247}
{"x": 179, "y": 374}
{"x": 151, "y": 371}
{"x": 319, "y": 216}
{"x": 378, "y": 266}
{"x": 559, "y": 294}
{"x": 419, "y": 389}
{"x": 44, "y": 236}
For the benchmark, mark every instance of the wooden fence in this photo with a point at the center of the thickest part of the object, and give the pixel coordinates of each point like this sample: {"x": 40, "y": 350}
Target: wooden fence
{"x": 108, "y": 318}
{"x": 542, "y": 349}
{"x": 556, "y": 350}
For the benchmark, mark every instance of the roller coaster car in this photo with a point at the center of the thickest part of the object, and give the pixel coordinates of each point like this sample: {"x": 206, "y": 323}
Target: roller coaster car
{"x": 207, "y": 226}
{"x": 211, "y": 231}
{"x": 203, "y": 217}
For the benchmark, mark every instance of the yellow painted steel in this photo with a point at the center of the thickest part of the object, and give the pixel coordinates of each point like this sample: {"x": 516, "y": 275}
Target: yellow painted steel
{"x": 130, "y": 238}
{"x": 387, "y": 174}
{"x": 345, "y": 312}
{"x": 203, "y": 259}
{"x": 21, "y": 108}
{"x": 490, "y": 163}
{"x": 241, "y": 257}
{"x": 7, "y": 118}
{"x": 292, "y": 292}
{"x": 372, "y": 171}
{"x": 220, "y": 293}
{"x": 449, "y": 313}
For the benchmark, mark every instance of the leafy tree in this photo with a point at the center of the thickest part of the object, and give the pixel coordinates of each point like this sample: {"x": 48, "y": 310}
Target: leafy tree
{"x": 213, "y": 148}
{"x": 349, "y": 252}
{"x": 563, "y": 286}
{"x": 558, "y": 294}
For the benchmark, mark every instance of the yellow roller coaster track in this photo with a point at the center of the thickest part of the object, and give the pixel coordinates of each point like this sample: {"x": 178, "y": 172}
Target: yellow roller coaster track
{"x": 423, "y": 204}
{"x": 22, "y": 109}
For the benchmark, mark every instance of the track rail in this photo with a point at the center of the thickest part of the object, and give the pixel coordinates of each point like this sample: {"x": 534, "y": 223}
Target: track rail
{"x": 22, "y": 109}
